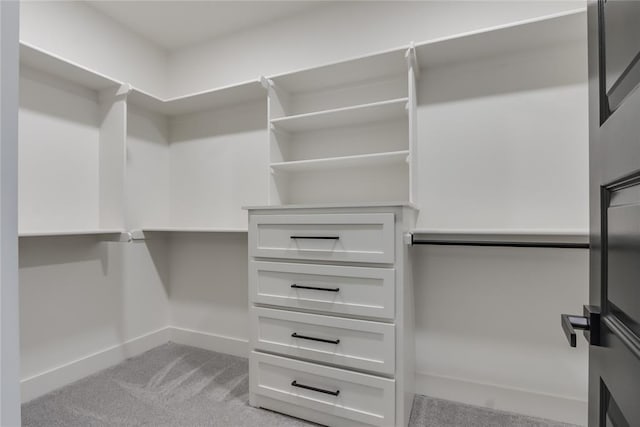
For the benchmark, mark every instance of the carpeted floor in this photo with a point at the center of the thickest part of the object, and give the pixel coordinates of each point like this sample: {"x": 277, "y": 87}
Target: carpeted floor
{"x": 176, "y": 385}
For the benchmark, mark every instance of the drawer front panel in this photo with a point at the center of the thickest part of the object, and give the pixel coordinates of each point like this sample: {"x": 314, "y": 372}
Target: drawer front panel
{"x": 357, "y": 291}
{"x": 350, "y": 343}
{"x": 358, "y": 397}
{"x": 327, "y": 237}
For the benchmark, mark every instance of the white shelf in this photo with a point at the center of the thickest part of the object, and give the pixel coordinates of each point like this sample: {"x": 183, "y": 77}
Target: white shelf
{"x": 348, "y": 116}
{"x": 516, "y": 37}
{"x": 515, "y": 235}
{"x": 201, "y": 101}
{"x": 39, "y": 59}
{"x": 61, "y": 233}
{"x": 356, "y": 70}
{"x": 193, "y": 230}
{"x": 146, "y": 232}
{"x": 375, "y": 159}
{"x": 338, "y": 205}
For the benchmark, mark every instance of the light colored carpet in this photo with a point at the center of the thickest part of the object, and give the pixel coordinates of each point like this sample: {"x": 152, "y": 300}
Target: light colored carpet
{"x": 175, "y": 385}
{"x": 443, "y": 413}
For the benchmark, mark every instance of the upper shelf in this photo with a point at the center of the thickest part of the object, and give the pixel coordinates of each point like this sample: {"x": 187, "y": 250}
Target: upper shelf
{"x": 524, "y": 35}
{"x": 201, "y": 101}
{"x": 372, "y": 159}
{"x": 347, "y": 116}
{"x": 363, "y": 68}
{"x": 52, "y": 64}
{"x": 530, "y": 34}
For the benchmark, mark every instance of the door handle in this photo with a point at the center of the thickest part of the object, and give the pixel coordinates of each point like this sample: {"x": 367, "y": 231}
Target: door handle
{"x": 304, "y": 337}
{"x": 589, "y": 323}
{"x": 315, "y": 288}
{"x": 316, "y": 237}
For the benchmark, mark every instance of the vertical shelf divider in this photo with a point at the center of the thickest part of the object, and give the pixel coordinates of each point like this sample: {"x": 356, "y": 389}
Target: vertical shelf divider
{"x": 277, "y": 106}
{"x": 112, "y": 156}
{"x": 413, "y": 70}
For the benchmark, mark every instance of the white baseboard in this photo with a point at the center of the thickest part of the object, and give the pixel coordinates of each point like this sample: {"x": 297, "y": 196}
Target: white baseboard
{"x": 208, "y": 341}
{"x": 47, "y": 381}
{"x": 558, "y": 408}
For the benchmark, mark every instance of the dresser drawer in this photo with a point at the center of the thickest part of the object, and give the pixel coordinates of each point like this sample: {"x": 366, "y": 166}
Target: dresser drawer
{"x": 324, "y": 237}
{"x": 349, "y": 395}
{"x": 357, "y": 344}
{"x": 358, "y": 291}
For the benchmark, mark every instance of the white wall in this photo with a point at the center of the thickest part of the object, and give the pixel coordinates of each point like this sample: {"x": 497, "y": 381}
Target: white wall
{"x": 209, "y": 292}
{"x": 79, "y": 33}
{"x": 488, "y": 328}
{"x": 503, "y": 146}
{"x": 503, "y": 143}
{"x": 9, "y": 290}
{"x": 58, "y": 155}
{"x": 82, "y": 302}
{"x": 206, "y": 196}
{"x": 338, "y": 31}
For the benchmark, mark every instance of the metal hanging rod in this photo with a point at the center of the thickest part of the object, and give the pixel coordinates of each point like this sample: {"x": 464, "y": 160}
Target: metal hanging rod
{"x": 498, "y": 243}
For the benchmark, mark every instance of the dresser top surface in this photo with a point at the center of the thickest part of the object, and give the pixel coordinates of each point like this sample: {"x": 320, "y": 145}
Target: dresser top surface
{"x": 334, "y": 206}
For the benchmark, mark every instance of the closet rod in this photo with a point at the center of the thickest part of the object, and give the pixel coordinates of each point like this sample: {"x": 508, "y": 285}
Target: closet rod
{"x": 498, "y": 243}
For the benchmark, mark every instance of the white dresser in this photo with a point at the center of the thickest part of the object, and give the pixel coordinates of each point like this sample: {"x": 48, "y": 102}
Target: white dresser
{"x": 331, "y": 313}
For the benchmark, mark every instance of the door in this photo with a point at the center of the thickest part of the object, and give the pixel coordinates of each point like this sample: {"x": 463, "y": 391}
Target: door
{"x": 614, "y": 120}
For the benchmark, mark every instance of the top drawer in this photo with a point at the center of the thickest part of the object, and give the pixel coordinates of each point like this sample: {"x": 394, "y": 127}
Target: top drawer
{"x": 324, "y": 237}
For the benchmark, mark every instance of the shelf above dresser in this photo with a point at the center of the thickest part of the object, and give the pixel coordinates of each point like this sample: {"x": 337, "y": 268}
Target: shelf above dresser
{"x": 347, "y": 116}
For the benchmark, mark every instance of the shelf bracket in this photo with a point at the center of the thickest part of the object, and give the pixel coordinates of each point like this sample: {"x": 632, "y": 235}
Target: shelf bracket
{"x": 408, "y": 239}
{"x": 113, "y": 93}
{"x": 124, "y": 90}
{"x": 137, "y": 235}
{"x": 123, "y": 237}
{"x": 266, "y": 83}
{"x": 412, "y": 59}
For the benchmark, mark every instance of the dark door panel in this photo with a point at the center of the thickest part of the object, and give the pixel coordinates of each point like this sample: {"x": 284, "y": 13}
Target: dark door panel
{"x": 614, "y": 180}
{"x": 614, "y": 388}
{"x": 623, "y": 257}
{"x": 621, "y": 49}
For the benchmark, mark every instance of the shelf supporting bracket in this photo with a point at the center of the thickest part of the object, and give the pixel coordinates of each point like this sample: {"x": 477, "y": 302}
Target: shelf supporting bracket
{"x": 266, "y": 83}
{"x": 137, "y": 235}
{"x": 113, "y": 94}
{"x": 124, "y": 90}
{"x": 412, "y": 59}
{"x": 123, "y": 237}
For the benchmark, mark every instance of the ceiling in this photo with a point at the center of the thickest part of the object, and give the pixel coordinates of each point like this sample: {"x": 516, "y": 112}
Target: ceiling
{"x": 178, "y": 23}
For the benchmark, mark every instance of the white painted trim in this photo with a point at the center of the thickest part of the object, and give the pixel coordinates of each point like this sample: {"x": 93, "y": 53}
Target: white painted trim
{"x": 205, "y": 340}
{"x": 525, "y": 402}
{"x": 44, "y": 382}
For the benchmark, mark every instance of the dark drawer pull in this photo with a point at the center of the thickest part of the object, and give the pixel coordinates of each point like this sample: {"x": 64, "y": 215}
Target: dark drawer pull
{"x": 304, "y": 337}
{"x": 314, "y": 288}
{"x": 317, "y": 237}
{"x": 319, "y": 390}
